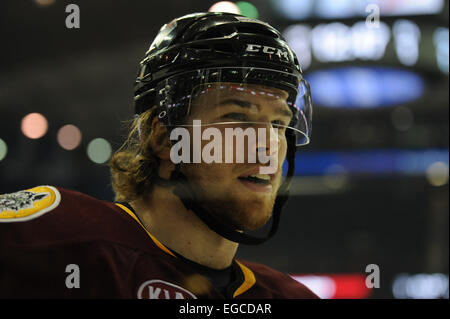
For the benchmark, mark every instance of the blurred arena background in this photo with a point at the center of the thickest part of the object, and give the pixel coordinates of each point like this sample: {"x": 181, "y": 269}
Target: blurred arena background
{"x": 371, "y": 188}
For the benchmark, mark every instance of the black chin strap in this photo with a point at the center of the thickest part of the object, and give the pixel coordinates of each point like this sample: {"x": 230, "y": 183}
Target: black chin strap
{"x": 185, "y": 192}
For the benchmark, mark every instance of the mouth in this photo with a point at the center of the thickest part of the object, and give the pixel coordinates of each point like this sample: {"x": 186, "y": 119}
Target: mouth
{"x": 257, "y": 182}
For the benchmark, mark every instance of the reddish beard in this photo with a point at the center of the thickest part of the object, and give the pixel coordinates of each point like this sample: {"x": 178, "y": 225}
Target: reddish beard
{"x": 240, "y": 214}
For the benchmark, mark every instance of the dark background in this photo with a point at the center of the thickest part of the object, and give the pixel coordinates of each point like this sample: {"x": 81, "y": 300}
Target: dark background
{"x": 85, "y": 76}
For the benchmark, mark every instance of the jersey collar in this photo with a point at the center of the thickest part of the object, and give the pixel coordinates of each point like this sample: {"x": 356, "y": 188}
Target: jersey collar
{"x": 245, "y": 281}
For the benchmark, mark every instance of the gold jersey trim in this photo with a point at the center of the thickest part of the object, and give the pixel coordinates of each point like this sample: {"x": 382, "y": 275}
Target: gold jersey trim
{"x": 156, "y": 241}
{"x": 249, "y": 280}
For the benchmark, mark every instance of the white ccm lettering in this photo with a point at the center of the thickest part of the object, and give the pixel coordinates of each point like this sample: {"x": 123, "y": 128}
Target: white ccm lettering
{"x": 267, "y": 50}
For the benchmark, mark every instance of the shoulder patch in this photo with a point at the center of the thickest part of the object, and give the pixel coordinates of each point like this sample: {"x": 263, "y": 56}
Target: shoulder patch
{"x": 28, "y": 204}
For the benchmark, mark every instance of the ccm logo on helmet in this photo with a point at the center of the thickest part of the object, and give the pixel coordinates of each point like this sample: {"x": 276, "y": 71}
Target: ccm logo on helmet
{"x": 268, "y": 50}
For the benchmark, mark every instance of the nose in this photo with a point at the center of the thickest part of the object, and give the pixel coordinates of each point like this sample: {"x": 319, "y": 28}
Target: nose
{"x": 267, "y": 142}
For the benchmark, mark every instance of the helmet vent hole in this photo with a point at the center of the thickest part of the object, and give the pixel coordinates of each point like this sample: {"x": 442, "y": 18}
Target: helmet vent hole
{"x": 255, "y": 30}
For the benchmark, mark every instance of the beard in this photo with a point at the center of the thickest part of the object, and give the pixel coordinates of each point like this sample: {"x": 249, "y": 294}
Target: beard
{"x": 238, "y": 211}
{"x": 240, "y": 215}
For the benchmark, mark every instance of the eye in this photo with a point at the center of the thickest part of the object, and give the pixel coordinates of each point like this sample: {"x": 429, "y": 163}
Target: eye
{"x": 235, "y": 116}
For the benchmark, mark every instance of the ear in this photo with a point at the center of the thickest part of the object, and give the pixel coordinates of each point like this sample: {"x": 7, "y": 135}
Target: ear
{"x": 160, "y": 141}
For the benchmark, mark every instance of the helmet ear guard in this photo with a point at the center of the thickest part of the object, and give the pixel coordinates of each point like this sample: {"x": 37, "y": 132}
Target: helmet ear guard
{"x": 204, "y": 48}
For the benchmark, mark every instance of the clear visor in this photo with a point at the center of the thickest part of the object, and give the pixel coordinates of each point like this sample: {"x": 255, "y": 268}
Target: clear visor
{"x": 242, "y": 97}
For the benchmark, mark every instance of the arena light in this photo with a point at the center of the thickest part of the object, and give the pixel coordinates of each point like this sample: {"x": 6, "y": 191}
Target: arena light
{"x": 3, "y": 149}
{"x": 44, "y": 3}
{"x": 339, "y": 164}
{"x": 247, "y": 9}
{"x": 69, "y": 137}
{"x": 407, "y": 38}
{"x": 331, "y": 42}
{"x": 294, "y": 9}
{"x": 441, "y": 42}
{"x": 364, "y": 87}
{"x": 34, "y": 125}
{"x": 340, "y": 42}
{"x": 322, "y": 286}
{"x": 341, "y": 9}
{"x": 299, "y": 38}
{"x": 410, "y": 7}
{"x": 225, "y": 6}
{"x": 336, "y": 286}
{"x": 338, "y": 9}
{"x": 337, "y": 42}
{"x": 420, "y": 286}
{"x": 437, "y": 174}
{"x": 99, "y": 150}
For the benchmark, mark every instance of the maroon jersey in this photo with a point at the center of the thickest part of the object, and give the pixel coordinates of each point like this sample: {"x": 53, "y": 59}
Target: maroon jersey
{"x": 58, "y": 243}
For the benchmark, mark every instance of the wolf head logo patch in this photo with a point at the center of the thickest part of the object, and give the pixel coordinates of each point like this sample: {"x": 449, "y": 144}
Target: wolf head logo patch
{"x": 28, "y": 204}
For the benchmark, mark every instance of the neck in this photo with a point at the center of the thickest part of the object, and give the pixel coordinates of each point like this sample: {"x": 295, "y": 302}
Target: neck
{"x": 166, "y": 218}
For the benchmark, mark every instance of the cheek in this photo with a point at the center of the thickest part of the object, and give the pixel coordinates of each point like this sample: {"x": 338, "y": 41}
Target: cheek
{"x": 282, "y": 150}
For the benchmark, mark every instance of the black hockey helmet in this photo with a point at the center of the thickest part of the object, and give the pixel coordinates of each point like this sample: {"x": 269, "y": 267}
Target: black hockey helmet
{"x": 219, "y": 47}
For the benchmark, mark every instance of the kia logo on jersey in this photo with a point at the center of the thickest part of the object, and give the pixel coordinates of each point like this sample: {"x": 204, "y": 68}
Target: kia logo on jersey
{"x": 159, "y": 289}
{"x": 284, "y": 55}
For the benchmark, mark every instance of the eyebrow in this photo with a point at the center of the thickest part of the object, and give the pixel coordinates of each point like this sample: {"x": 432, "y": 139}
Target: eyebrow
{"x": 241, "y": 103}
{"x": 246, "y": 104}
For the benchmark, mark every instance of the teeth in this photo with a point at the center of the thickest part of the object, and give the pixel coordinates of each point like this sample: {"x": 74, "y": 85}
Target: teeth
{"x": 261, "y": 176}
